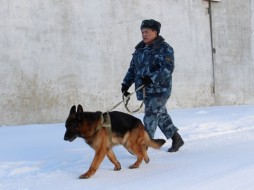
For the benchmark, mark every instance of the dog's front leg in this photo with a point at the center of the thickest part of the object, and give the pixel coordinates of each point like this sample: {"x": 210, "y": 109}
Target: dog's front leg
{"x": 99, "y": 156}
{"x": 113, "y": 159}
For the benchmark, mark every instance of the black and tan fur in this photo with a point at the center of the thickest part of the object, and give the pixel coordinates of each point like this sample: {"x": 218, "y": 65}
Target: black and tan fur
{"x": 125, "y": 129}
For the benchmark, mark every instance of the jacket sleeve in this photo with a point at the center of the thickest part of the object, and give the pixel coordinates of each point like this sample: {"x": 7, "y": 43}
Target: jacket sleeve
{"x": 129, "y": 77}
{"x": 163, "y": 66}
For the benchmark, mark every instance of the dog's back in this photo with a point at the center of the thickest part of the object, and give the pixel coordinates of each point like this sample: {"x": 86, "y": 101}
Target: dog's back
{"x": 122, "y": 123}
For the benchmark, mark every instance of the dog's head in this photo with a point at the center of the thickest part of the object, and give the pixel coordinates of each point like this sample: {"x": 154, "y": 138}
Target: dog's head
{"x": 73, "y": 123}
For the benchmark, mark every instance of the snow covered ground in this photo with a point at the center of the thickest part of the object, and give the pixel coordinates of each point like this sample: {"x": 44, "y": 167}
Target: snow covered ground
{"x": 218, "y": 154}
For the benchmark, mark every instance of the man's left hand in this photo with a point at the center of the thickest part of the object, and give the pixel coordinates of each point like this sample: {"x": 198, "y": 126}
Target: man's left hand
{"x": 146, "y": 80}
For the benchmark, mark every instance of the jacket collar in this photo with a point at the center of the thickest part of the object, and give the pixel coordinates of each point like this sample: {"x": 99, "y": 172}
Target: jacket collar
{"x": 155, "y": 45}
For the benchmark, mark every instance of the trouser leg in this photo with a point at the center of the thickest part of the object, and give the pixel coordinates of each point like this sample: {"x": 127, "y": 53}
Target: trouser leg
{"x": 165, "y": 123}
{"x": 156, "y": 115}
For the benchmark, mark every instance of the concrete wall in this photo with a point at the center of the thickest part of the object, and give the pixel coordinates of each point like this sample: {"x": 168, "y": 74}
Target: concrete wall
{"x": 56, "y": 53}
{"x": 233, "y": 23}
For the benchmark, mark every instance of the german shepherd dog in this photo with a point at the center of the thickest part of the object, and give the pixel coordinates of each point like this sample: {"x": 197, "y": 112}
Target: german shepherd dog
{"x": 125, "y": 129}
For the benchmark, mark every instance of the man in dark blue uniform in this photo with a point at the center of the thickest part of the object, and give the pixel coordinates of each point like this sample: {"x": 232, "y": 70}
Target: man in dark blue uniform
{"x": 152, "y": 65}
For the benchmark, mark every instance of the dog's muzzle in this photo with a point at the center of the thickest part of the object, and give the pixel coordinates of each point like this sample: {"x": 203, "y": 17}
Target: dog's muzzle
{"x": 70, "y": 139}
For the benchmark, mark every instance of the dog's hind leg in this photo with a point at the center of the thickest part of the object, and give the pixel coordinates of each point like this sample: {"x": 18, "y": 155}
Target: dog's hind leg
{"x": 138, "y": 146}
{"x": 137, "y": 150}
{"x": 138, "y": 162}
{"x": 111, "y": 156}
{"x": 144, "y": 152}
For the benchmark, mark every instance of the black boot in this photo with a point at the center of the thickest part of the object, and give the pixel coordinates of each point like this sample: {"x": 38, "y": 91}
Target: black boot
{"x": 177, "y": 142}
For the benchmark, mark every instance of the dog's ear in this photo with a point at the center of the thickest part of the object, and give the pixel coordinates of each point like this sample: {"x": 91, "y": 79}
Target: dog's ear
{"x": 80, "y": 112}
{"x": 73, "y": 110}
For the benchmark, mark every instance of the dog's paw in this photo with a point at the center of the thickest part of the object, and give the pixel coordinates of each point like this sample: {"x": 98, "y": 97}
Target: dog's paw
{"x": 117, "y": 168}
{"x": 147, "y": 160}
{"x": 85, "y": 176}
{"x": 133, "y": 166}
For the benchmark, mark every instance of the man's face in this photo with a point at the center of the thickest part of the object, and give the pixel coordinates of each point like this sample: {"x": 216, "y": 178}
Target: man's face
{"x": 148, "y": 35}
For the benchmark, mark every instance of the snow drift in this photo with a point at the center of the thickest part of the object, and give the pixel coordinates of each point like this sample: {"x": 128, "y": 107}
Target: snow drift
{"x": 218, "y": 154}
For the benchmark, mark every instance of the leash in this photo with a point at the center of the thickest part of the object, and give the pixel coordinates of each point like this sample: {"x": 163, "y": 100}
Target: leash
{"x": 126, "y": 99}
{"x": 106, "y": 122}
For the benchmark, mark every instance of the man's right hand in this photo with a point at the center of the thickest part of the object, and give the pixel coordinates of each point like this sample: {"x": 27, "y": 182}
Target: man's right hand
{"x": 124, "y": 90}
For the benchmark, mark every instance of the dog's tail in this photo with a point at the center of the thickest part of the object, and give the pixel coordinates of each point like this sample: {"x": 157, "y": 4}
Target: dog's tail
{"x": 154, "y": 143}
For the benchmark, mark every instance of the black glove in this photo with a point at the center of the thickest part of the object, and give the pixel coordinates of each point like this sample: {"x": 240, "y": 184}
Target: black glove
{"x": 124, "y": 90}
{"x": 146, "y": 80}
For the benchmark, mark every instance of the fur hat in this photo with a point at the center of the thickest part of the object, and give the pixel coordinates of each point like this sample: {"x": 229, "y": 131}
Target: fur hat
{"x": 152, "y": 24}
